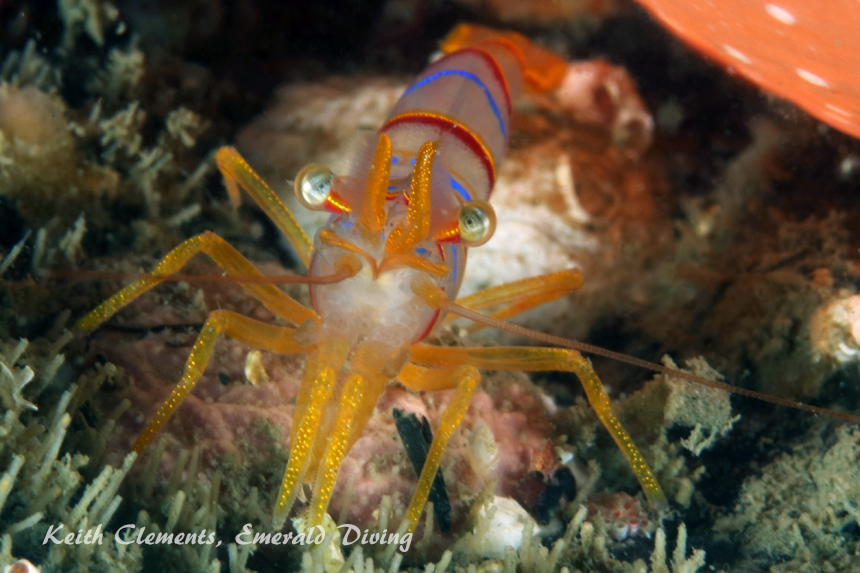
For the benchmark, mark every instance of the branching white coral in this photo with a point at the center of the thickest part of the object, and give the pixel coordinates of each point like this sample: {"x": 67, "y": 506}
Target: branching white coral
{"x": 29, "y": 68}
{"x": 186, "y": 126}
{"x": 13, "y": 380}
{"x": 122, "y": 74}
{"x": 122, "y": 132}
{"x": 13, "y": 254}
{"x": 151, "y": 162}
{"x": 37, "y": 484}
{"x": 680, "y": 562}
{"x": 70, "y": 244}
{"x": 88, "y": 16}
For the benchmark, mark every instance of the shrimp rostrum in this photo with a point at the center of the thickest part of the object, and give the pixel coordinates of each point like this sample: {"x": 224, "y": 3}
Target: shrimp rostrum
{"x": 386, "y": 268}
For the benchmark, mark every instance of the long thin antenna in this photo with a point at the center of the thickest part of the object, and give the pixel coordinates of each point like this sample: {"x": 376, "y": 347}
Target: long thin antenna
{"x": 475, "y": 316}
{"x": 336, "y": 277}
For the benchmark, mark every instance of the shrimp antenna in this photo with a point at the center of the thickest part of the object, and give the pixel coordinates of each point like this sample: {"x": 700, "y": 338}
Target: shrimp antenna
{"x": 343, "y": 273}
{"x": 475, "y": 316}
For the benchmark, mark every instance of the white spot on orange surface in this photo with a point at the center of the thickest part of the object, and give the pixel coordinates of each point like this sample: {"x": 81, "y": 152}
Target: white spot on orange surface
{"x": 837, "y": 109}
{"x": 780, "y": 14}
{"x": 736, "y": 54}
{"x": 811, "y": 78}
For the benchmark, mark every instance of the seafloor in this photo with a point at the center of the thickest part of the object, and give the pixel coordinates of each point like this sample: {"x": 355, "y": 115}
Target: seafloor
{"x": 718, "y": 229}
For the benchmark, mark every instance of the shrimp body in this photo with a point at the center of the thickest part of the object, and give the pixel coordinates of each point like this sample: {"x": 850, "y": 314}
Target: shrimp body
{"x": 398, "y": 213}
{"x": 462, "y": 105}
{"x": 386, "y": 266}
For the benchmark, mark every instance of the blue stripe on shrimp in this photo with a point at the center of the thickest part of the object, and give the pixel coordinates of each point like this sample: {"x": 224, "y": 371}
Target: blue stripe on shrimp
{"x": 469, "y": 76}
{"x": 461, "y": 190}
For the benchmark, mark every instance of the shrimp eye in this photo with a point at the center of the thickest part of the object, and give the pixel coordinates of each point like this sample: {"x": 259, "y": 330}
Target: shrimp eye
{"x": 313, "y": 185}
{"x": 477, "y": 223}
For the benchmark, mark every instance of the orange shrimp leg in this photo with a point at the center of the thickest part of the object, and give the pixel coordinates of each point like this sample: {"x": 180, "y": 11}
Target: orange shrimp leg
{"x": 464, "y": 379}
{"x": 520, "y": 296}
{"x": 535, "y": 360}
{"x": 543, "y": 359}
{"x": 227, "y": 258}
{"x": 238, "y": 327}
{"x": 237, "y": 173}
{"x": 364, "y": 384}
{"x": 315, "y": 392}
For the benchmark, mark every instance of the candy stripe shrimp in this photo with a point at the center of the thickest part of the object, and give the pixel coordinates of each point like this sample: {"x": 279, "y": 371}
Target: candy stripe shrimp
{"x": 386, "y": 268}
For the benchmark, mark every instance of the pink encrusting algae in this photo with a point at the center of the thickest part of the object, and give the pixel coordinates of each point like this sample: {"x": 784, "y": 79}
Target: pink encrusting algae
{"x": 806, "y": 52}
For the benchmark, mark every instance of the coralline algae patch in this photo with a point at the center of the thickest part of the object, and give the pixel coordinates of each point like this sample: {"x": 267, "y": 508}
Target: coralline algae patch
{"x": 242, "y": 429}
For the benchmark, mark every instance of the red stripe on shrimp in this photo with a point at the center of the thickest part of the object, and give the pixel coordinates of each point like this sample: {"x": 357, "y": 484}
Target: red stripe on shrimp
{"x": 443, "y": 123}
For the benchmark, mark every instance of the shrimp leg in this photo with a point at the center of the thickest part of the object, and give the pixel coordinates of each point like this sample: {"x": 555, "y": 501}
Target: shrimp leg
{"x": 238, "y": 327}
{"x": 520, "y": 296}
{"x": 364, "y": 385}
{"x": 539, "y": 360}
{"x": 227, "y": 258}
{"x": 237, "y": 172}
{"x": 464, "y": 379}
{"x": 315, "y": 392}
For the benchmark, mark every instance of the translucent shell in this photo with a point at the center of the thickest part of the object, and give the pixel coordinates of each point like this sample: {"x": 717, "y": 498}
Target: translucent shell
{"x": 477, "y": 223}
{"x": 313, "y": 186}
